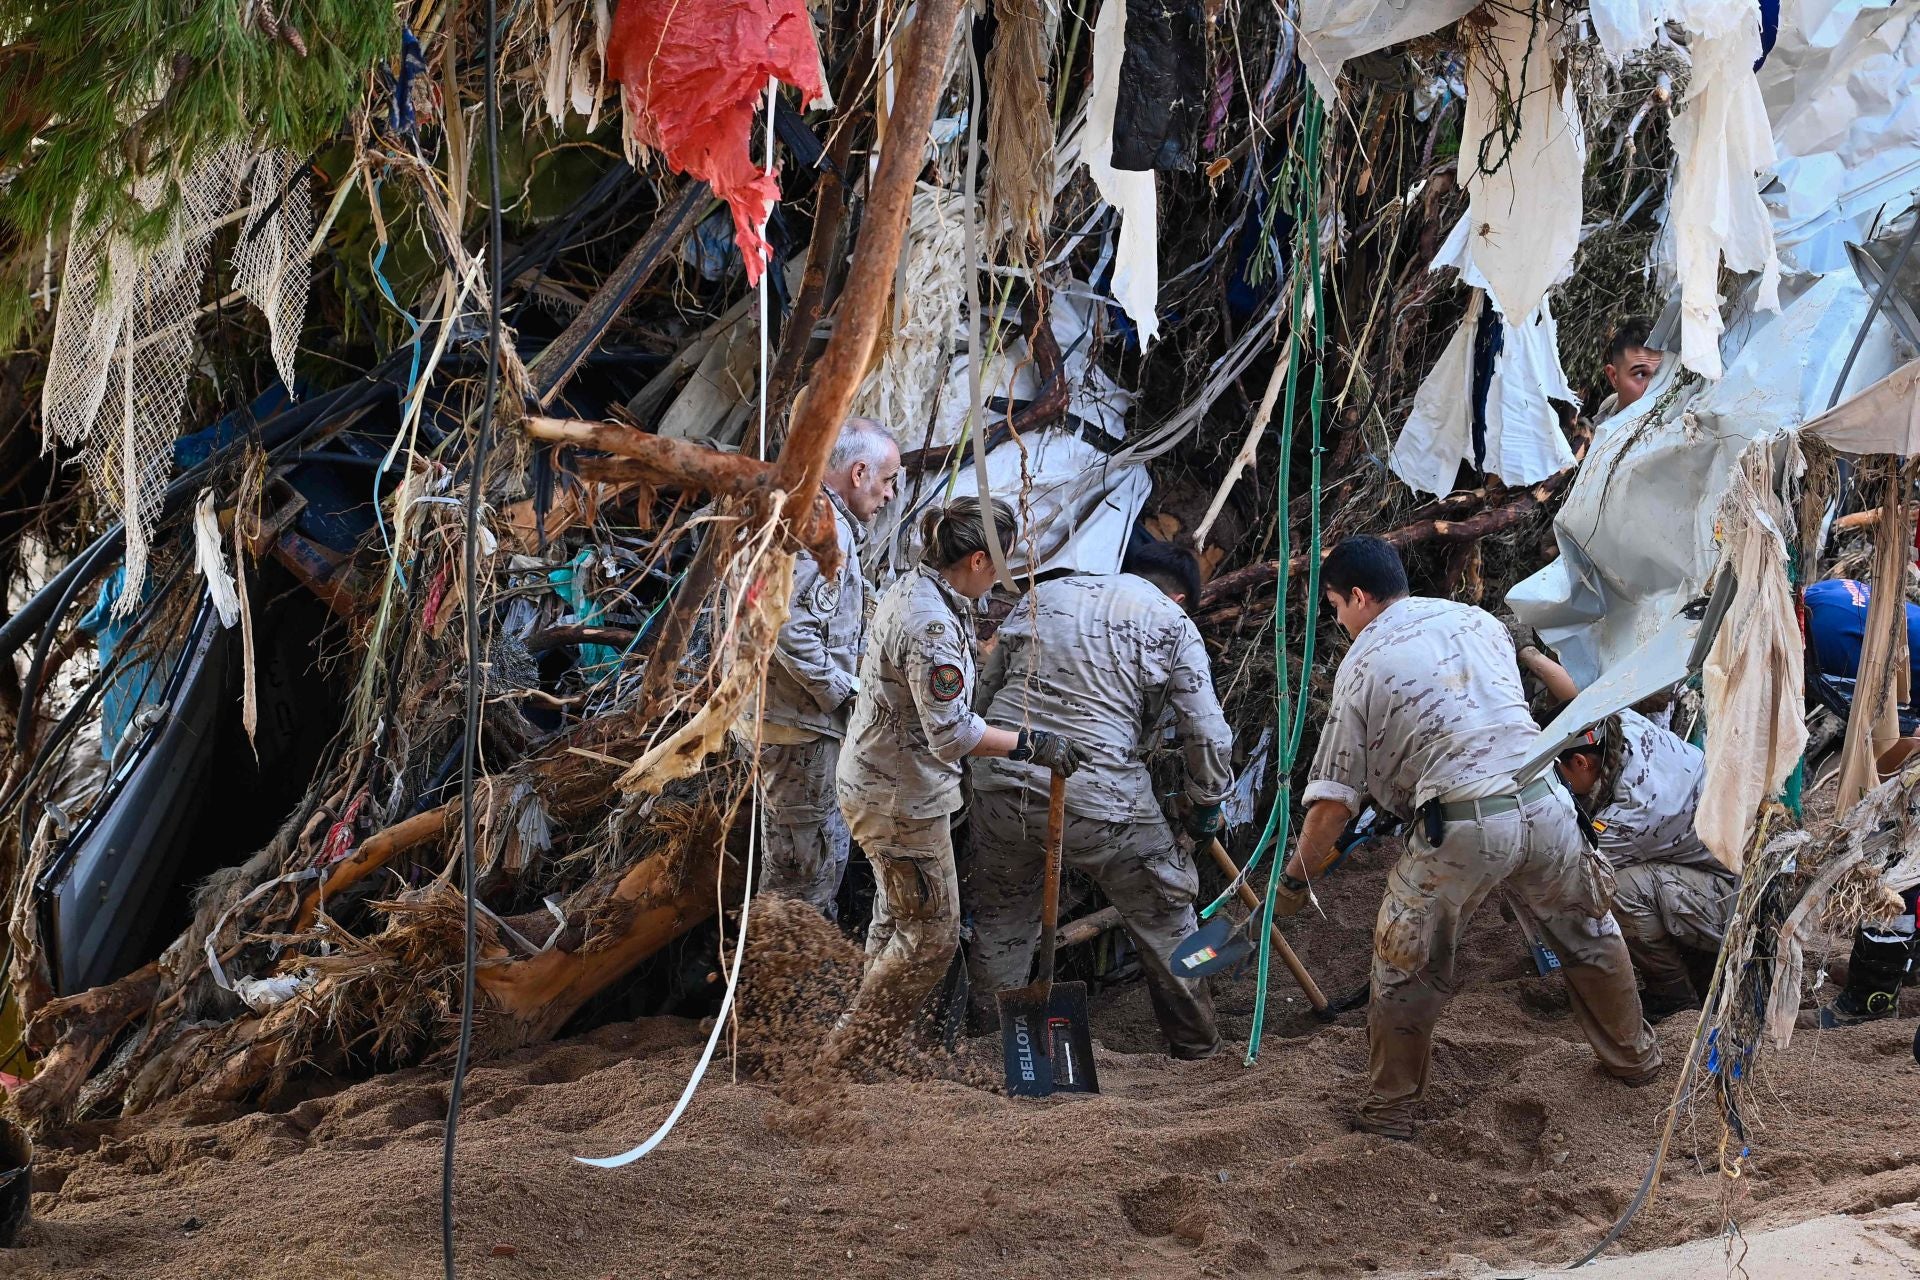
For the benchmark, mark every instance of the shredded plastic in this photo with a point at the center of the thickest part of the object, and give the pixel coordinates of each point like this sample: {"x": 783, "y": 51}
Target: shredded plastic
{"x": 691, "y": 79}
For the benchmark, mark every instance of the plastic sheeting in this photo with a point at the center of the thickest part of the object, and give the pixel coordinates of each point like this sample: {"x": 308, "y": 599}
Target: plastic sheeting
{"x": 1525, "y": 213}
{"x": 692, "y": 77}
{"x": 1334, "y": 31}
{"x": 1885, "y": 418}
{"x": 1077, "y": 507}
{"x": 1721, "y": 140}
{"x": 1136, "y": 259}
{"x": 1163, "y": 85}
{"x": 1752, "y": 677}
{"x": 1524, "y": 443}
{"x": 1636, "y": 531}
{"x": 1842, "y": 88}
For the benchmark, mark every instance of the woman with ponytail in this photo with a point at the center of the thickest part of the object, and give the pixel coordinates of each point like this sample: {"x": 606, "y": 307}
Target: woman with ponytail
{"x": 900, "y": 770}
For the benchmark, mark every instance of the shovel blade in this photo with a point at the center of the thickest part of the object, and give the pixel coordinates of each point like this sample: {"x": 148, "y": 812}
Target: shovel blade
{"x": 1046, "y": 1040}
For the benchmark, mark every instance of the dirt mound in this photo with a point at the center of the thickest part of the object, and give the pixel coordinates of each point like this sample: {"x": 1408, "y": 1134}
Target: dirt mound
{"x": 1527, "y": 1152}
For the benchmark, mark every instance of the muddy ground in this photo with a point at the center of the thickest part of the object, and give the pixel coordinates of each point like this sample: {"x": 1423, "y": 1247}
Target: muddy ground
{"x": 1177, "y": 1169}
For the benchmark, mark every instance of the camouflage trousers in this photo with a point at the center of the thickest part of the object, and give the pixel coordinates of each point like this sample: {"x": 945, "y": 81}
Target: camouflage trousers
{"x": 1667, "y": 911}
{"x": 1536, "y": 851}
{"x": 915, "y": 929}
{"x": 803, "y": 837}
{"x": 1147, "y": 877}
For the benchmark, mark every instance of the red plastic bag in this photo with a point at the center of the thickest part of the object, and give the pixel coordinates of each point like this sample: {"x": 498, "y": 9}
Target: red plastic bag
{"x": 693, "y": 73}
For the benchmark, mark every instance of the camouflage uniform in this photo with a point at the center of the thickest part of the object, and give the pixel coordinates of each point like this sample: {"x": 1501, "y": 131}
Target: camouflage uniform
{"x": 899, "y": 782}
{"x": 1099, "y": 660}
{"x": 1427, "y": 705}
{"x": 1671, "y": 895}
{"x": 804, "y": 711}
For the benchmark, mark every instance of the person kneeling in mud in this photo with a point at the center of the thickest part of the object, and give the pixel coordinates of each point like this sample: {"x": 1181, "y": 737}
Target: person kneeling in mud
{"x": 1639, "y": 786}
{"x": 1429, "y": 719}
{"x": 900, "y": 771}
{"x": 1100, "y": 659}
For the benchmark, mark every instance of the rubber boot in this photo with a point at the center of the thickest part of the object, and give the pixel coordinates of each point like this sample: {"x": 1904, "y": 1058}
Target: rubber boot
{"x": 1882, "y": 957}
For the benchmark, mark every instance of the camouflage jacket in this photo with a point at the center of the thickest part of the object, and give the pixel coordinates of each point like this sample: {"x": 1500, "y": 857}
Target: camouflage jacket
{"x": 810, "y": 680}
{"x": 1427, "y": 701}
{"x": 1648, "y": 817}
{"x": 1101, "y": 660}
{"x": 912, "y": 721}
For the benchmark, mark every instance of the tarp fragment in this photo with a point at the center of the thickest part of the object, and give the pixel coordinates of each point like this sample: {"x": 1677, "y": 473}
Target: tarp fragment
{"x": 691, "y": 79}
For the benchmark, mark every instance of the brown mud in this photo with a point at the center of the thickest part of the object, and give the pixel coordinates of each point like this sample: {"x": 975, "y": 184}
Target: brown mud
{"x": 1178, "y": 1169}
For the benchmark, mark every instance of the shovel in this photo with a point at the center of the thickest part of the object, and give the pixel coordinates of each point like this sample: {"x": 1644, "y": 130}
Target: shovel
{"x": 1044, "y": 1034}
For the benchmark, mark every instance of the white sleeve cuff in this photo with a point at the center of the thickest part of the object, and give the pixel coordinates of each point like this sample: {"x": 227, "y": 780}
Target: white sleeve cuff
{"x": 1327, "y": 789}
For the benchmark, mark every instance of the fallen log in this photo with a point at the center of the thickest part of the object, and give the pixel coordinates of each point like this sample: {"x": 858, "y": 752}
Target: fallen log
{"x": 1088, "y": 927}
{"x": 74, "y": 1031}
{"x": 1230, "y": 588}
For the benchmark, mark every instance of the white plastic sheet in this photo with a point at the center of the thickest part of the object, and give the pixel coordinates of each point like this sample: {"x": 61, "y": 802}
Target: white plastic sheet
{"x": 1333, "y": 31}
{"x": 1626, "y": 26}
{"x": 1524, "y": 443}
{"x": 1842, "y": 89}
{"x": 1136, "y": 258}
{"x": 1525, "y": 215}
{"x": 1721, "y": 140}
{"x": 1636, "y": 531}
{"x": 1078, "y": 509}
{"x": 1885, "y": 418}
{"x": 1093, "y": 397}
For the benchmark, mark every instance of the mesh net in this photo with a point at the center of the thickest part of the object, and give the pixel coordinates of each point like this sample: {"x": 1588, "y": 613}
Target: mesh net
{"x": 900, "y": 390}
{"x": 123, "y": 341}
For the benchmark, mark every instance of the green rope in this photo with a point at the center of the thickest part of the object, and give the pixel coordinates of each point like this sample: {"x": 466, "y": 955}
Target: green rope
{"x": 1292, "y": 706}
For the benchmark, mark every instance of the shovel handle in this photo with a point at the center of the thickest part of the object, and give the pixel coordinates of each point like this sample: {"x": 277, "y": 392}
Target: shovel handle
{"x": 1050, "y": 890}
{"x": 1315, "y": 997}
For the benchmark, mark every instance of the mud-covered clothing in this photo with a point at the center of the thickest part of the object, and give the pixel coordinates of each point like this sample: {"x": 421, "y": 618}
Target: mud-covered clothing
{"x": 1099, "y": 660}
{"x": 1537, "y": 852}
{"x": 803, "y": 837}
{"x": 1667, "y": 911}
{"x": 810, "y": 680}
{"x": 1672, "y": 895}
{"x": 915, "y": 929}
{"x": 1427, "y": 705}
{"x": 912, "y": 721}
{"x": 1147, "y": 877}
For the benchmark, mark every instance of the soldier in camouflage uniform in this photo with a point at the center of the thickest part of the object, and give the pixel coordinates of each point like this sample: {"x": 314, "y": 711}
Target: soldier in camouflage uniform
{"x": 1429, "y": 720}
{"x": 1103, "y": 660}
{"x": 900, "y": 772}
{"x": 810, "y": 683}
{"x": 1641, "y": 785}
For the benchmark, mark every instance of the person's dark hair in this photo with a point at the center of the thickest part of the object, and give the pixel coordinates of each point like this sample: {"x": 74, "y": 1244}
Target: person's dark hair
{"x": 1628, "y": 334}
{"x": 1168, "y": 566}
{"x": 1583, "y": 749}
{"x": 951, "y": 533}
{"x": 1365, "y": 564}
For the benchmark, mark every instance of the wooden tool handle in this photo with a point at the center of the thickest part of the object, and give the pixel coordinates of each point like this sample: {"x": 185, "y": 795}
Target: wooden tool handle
{"x": 1315, "y": 996}
{"x": 1050, "y": 893}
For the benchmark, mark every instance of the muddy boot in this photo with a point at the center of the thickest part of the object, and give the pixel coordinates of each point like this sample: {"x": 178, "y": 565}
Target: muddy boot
{"x": 1666, "y": 999}
{"x": 1882, "y": 957}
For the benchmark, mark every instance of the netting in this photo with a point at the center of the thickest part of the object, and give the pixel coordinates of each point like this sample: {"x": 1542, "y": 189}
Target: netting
{"x": 123, "y": 340}
{"x": 902, "y": 386}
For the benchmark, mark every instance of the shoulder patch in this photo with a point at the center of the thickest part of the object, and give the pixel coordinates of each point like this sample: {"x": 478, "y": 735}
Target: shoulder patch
{"x": 936, "y": 629}
{"x": 826, "y": 597}
{"x": 945, "y": 682}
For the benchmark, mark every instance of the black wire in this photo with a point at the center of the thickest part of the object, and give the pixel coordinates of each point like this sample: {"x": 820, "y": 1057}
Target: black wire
{"x": 476, "y": 481}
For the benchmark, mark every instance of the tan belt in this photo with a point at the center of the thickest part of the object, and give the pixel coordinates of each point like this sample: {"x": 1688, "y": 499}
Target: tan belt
{"x": 1475, "y": 810}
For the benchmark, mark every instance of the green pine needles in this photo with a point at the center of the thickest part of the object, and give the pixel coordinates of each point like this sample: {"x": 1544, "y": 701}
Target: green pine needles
{"x": 96, "y": 95}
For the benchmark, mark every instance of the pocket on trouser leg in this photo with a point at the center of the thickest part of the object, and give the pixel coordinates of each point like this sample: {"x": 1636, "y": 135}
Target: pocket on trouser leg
{"x": 1403, "y": 931}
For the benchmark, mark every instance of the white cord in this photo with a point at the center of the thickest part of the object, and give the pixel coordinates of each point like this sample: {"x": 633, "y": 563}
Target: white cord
{"x": 753, "y": 821}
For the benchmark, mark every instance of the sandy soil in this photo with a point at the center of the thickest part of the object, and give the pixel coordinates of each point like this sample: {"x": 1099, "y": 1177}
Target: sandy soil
{"x": 1177, "y": 1169}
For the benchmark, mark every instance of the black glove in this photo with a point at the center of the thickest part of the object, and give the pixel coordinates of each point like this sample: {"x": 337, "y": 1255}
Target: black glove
{"x": 1204, "y": 821}
{"x": 1290, "y": 896}
{"x": 1049, "y": 749}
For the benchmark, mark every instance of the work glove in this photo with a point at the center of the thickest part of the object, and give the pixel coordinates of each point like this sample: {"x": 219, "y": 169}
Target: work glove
{"x": 1203, "y": 821}
{"x": 1051, "y": 750}
{"x": 1289, "y": 896}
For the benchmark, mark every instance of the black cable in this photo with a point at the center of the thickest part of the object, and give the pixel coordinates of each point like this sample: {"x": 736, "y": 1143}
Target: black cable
{"x": 470, "y": 731}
